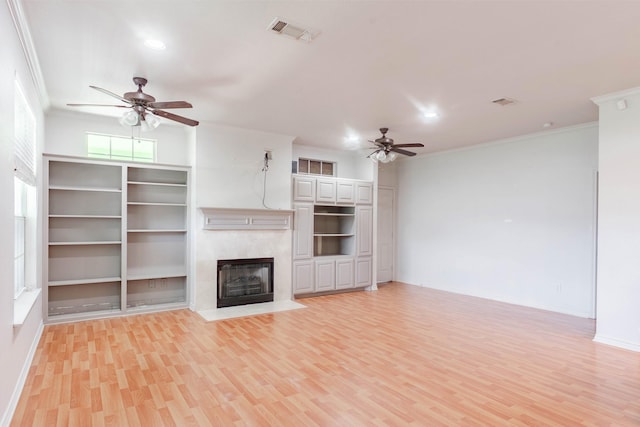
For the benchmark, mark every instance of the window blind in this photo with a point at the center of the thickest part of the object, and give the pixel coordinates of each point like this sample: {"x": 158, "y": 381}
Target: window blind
{"x": 25, "y": 138}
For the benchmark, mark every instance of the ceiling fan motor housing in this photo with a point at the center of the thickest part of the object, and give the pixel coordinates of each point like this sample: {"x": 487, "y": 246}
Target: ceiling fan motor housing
{"x": 139, "y": 97}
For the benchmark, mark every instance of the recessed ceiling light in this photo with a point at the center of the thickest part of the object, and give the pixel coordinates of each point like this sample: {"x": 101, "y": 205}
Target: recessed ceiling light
{"x": 155, "y": 44}
{"x": 430, "y": 114}
{"x": 547, "y": 125}
{"x": 353, "y": 138}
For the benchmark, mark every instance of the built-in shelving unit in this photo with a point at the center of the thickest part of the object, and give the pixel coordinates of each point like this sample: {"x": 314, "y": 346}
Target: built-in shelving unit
{"x": 156, "y": 237}
{"x": 117, "y": 238}
{"x": 332, "y": 234}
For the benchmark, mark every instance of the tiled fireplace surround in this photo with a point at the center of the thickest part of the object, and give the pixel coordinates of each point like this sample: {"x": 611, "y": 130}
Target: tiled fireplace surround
{"x": 214, "y": 243}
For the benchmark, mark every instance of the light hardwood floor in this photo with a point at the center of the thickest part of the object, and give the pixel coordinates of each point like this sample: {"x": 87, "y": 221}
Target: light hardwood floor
{"x": 403, "y": 355}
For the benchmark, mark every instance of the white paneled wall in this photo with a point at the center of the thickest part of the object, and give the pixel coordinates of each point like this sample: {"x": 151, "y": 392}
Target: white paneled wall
{"x": 512, "y": 221}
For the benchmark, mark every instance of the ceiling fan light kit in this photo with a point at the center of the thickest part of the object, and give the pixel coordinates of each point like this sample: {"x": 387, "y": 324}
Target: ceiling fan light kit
{"x": 143, "y": 108}
{"x": 129, "y": 118}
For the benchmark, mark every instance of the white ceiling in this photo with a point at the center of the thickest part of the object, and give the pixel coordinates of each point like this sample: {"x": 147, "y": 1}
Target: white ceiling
{"x": 374, "y": 64}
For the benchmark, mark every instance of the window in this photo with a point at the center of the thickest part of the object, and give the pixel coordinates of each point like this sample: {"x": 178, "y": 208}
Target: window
{"x": 316, "y": 167}
{"x": 121, "y": 148}
{"x": 20, "y": 237}
{"x": 24, "y": 193}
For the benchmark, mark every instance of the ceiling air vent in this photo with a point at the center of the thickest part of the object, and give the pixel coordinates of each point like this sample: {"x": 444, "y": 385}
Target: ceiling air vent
{"x": 283, "y": 27}
{"x": 504, "y": 101}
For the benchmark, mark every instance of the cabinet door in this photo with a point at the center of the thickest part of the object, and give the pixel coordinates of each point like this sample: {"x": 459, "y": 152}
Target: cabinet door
{"x": 344, "y": 273}
{"x": 303, "y": 231}
{"x": 304, "y": 189}
{"x": 325, "y": 190}
{"x": 364, "y": 193}
{"x": 363, "y": 272}
{"x": 325, "y": 275}
{"x": 364, "y": 231}
{"x": 302, "y": 277}
{"x": 345, "y": 191}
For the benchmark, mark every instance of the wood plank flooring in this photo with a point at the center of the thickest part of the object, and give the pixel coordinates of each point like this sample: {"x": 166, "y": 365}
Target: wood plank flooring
{"x": 403, "y": 355}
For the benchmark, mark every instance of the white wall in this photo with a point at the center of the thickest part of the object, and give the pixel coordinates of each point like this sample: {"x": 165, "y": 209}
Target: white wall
{"x": 66, "y": 135}
{"x": 229, "y": 162}
{"x": 17, "y": 343}
{"x": 511, "y": 221}
{"x": 228, "y": 167}
{"x": 619, "y": 221}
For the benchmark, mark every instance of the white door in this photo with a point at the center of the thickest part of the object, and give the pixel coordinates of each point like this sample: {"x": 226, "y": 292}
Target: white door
{"x": 385, "y": 249}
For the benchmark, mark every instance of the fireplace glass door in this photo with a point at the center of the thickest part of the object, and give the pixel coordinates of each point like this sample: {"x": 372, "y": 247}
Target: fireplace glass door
{"x": 245, "y": 281}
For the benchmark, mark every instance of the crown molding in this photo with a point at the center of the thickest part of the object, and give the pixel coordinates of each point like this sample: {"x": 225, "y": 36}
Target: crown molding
{"x": 22, "y": 29}
{"x": 510, "y": 140}
{"x": 615, "y": 96}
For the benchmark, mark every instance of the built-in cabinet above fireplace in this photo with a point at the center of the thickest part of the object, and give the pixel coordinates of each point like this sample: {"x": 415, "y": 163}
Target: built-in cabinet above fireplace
{"x": 332, "y": 236}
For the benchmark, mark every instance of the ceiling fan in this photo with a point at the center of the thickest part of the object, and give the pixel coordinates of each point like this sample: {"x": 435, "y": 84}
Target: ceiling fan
{"x": 386, "y": 150}
{"x": 141, "y": 104}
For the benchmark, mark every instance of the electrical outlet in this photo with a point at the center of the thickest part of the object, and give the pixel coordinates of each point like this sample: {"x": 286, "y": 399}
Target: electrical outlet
{"x": 268, "y": 154}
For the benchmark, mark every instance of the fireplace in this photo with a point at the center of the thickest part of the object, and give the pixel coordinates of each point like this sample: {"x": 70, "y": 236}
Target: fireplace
{"x": 244, "y": 281}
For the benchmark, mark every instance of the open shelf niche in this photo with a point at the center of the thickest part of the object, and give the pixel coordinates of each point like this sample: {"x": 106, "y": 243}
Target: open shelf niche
{"x": 333, "y": 230}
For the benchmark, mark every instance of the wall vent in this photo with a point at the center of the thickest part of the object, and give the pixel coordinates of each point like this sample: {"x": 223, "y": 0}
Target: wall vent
{"x": 283, "y": 27}
{"x": 504, "y": 101}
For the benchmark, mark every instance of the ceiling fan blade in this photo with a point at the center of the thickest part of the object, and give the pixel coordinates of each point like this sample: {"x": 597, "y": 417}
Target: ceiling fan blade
{"x": 175, "y": 117}
{"x": 170, "y": 104}
{"x": 98, "y": 105}
{"x": 413, "y": 144}
{"x": 99, "y": 89}
{"x": 401, "y": 151}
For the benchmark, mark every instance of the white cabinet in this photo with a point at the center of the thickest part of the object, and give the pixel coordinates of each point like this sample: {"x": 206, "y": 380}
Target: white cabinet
{"x": 329, "y": 190}
{"x": 363, "y": 272}
{"x": 333, "y": 273}
{"x": 116, "y": 237}
{"x": 303, "y": 278}
{"x": 344, "y": 273}
{"x": 345, "y": 191}
{"x": 325, "y": 190}
{"x": 303, "y": 231}
{"x": 364, "y": 233}
{"x": 325, "y": 275}
{"x": 364, "y": 192}
{"x": 304, "y": 188}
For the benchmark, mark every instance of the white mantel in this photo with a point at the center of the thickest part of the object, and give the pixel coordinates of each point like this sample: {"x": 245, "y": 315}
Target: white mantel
{"x": 246, "y": 219}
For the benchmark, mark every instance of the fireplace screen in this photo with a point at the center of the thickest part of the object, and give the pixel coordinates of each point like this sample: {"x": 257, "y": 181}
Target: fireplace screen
{"x": 245, "y": 281}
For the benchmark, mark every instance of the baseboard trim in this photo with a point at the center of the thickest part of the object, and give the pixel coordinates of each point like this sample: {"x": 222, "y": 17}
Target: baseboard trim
{"x": 22, "y": 379}
{"x": 617, "y": 343}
